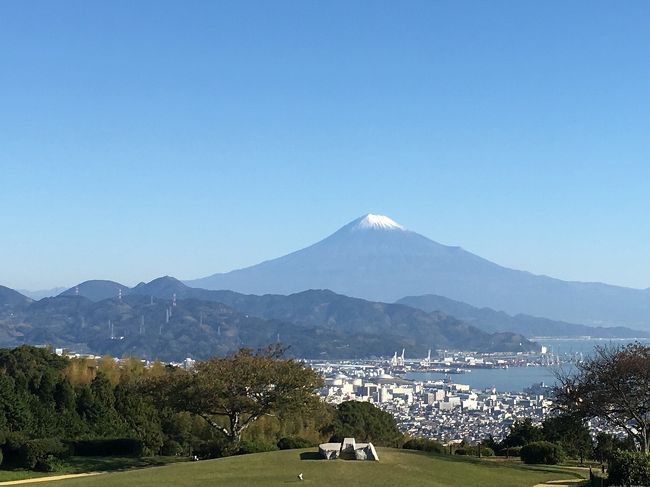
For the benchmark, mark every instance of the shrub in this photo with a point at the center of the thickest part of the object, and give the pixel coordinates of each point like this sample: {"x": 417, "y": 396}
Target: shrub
{"x": 474, "y": 450}
{"x": 34, "y": 452}
{"x": 629, "y": 468}
{"x": 513, "y": 451}
{"x": 1, "y": 456}
{"x": 424, "y": 444}
{"x": 607, "y": 445}
{"x": 171, "y": 448}
{"x": 542, "y": 452}
{"x": 13, "y": 442}
{"x": 255, "y": 447}
{"x": 292, "y": 442}
{"x": 486, "y": 451}
{"x": 108, "y": 447}
{"x": 215, "y": 448}
{"x": 48, "y": 464}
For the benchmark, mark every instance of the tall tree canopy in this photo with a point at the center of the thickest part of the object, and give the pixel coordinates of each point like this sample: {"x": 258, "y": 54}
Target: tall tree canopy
{"x": 365, "y": 422}
{"x": 613, "y": 384}
{"x": 571, "y": 432}
{"x": 521, "y": 433}
{"x": 232, "y": 392}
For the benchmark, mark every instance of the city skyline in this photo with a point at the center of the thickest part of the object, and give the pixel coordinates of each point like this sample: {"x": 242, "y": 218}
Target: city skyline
{"x": 159, "y": 139}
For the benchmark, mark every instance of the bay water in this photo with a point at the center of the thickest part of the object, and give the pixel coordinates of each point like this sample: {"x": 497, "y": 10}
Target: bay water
{"x": 516, "y": 379}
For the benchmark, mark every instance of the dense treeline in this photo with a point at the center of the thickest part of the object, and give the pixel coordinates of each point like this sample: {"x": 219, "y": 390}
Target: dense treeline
{"x": 52, "y": 406}
{"x": 558, "y": 437}
{"x": 47, "y": 396}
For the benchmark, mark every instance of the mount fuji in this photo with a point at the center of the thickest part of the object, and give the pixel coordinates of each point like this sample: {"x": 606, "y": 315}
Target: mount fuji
{"x": 375, "y": 258}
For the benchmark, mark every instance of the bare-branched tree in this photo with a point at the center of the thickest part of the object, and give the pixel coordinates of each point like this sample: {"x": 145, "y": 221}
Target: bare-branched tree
{"x": 614, "y": 385}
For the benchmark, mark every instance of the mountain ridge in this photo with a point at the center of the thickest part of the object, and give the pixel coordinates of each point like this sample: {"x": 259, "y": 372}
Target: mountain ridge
{"x": 485, "y": 319}
{"x": 385, "y": 266}
{"x": 11, "y": 297}
{"x": 491, "y": 320}
{"x": 97, "y": 289}
{"x": 166, "y": 319}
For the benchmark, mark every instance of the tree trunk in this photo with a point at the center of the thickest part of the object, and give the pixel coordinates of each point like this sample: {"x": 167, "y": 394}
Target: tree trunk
{"x": 236, "y": 430}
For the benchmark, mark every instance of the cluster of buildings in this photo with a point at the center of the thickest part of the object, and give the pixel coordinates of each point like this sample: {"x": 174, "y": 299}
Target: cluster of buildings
{"x": 440, "y": 409}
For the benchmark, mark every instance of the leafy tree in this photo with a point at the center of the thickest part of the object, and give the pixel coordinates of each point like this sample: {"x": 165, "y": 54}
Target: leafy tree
{"x": 522, "y": 433}
{"x": 64, "y": 397}
{"x": 542, "y": 452}
{"x": 96, "y": 406}
{"x": 569, "y": 431}
{"x": 231, "y": 393}
{"x": 110, "y": 369}
{"x": 365, "y": 422}
{"x": 613, "y": 384}
{"x": 140, "y": 416}
{"x": 629, "y": 468}
{"x": 131, "y": 369}
{"x": 607, "y": 444}
{"x": 256, "y": 398}
{"x": 15, "y": 414}
{"x": 80, "y": 372}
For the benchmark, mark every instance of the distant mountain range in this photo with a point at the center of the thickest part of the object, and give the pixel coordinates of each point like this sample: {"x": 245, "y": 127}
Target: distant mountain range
{"x": 266, "y": 306}
{"x": 169, "y": 320}
{"x": 42, "y": 293}
{"x": 531, "y": 326}
{"x": 375, "y": 258}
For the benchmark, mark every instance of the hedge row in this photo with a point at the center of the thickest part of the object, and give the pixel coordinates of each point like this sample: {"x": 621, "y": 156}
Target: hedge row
{"x": 107, "y": 447}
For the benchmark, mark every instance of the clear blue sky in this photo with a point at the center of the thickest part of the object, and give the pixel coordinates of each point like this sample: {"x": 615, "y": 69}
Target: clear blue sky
{"x": 139, "y": 139}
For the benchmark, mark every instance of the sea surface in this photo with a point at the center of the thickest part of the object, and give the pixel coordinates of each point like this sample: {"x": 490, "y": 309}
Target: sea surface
{"x": 570, "y": 346}
{"x": 516, "y": 379}
{"x": 513, "y": 379}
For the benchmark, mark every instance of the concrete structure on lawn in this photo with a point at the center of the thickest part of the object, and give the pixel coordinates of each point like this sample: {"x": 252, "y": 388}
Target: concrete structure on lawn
{"x": 348, "y": 449}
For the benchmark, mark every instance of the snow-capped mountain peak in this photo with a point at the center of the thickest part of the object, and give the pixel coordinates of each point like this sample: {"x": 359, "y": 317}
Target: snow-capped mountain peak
{"x": 378, "y": 222}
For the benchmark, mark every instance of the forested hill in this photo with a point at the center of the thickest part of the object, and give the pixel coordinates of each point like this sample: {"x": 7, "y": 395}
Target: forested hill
{"x": 313, "y": 324}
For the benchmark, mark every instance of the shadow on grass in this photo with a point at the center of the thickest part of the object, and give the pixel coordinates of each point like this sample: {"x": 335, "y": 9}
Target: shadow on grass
{"x": 110, "y": 464}
{"x": 498, "y": 464}
{"x": 311, "y": 455}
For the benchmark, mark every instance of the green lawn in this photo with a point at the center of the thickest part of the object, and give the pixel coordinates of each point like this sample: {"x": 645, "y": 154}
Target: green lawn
{"x": 6, "y": 475}
{"x": 397, "y": 467}
{"x": 91, "y": 464}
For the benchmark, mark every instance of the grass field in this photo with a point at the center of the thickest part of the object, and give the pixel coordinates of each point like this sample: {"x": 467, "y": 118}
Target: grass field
{"x": 91, "y": 464}
{"x": 397, "y": 467}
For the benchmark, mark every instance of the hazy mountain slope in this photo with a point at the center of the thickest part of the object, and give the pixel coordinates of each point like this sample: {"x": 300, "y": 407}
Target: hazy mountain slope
{"x": 294, "y": 307}
{"x": 339, "y": 316}
{"x": 97, "y": 289}
{"x": 11, "y": 298}
{"x": 493, "y": 321}
{"x": 166, "y": 287}
{"x": 322, "y": 325}
{"x": 384, "y": 262}
{"x": 42, "y": 293}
